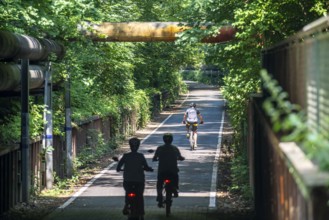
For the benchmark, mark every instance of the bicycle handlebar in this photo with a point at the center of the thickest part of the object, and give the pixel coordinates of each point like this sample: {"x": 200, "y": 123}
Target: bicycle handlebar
{"x": 179, "y": 158}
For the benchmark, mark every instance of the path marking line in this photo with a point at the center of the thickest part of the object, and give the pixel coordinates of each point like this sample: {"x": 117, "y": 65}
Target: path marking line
{"x": 90, "y": 182}
{"x": 213, "y": 188}
{"x": 81, "y": 190}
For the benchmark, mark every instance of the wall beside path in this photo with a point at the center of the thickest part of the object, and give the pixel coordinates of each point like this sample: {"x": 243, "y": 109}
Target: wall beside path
{"x": 285, "y": 183}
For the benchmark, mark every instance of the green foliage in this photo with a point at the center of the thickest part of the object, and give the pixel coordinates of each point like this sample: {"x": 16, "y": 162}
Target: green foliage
{"x": 36, "y": 120}
{"x": 278, "y": 106}
{"x": 109, "y": 79}
{"x": 10, "y": 129}
{"x": 158, "y": 64}
{"x": 10, "y": 125}
{"x": 289, "y": 121}
{"x": 158, "y": 10}
{"x": 193, "y": 75}
{"x": 240, "y": 176}
{"x": 199, "y": 76}
{"x": 142, "y": 106}
{"x": 259, "y": 24}
{"x": 96, "y": 149}
{"x": 61, "y": 187}
{"x": 106, "y": 79}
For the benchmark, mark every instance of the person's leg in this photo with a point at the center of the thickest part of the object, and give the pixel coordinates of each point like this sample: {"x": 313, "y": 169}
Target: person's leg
{"x": 195, "y": 135}
{"x": 126, "y": 186}
{"x": 159, "y": 190}
{"x": 140, "y": 193}
{"x": 175, "y": 184}
{"x": 195, "y": 139}
{"x": 188, "y": 130}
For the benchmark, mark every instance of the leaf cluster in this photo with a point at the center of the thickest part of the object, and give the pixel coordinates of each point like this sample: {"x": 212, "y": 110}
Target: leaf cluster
{"x": 291, "y": 122}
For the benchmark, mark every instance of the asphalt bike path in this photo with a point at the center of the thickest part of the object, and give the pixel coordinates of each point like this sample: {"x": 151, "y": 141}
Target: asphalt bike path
{"x": 103, "y": 196}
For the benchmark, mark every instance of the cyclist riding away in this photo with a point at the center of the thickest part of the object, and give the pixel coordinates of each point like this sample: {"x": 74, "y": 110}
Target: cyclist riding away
{"x": 167, "y": 155}
{"x": 134, "y": 164}
{"x": 190, "y": 118}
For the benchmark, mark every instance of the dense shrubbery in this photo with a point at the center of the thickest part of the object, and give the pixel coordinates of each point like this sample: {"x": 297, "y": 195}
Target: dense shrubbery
{"x": 106, "y": 78}
{"x": 198, "y": 75}
{"x": 260, "y": 24}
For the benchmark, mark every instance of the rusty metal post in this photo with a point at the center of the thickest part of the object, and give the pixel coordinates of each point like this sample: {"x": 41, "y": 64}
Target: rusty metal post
{"x": 19, "y": 46}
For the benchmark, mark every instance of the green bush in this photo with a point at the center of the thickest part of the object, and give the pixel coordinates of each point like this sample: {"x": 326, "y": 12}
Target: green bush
{"x": 289, "y": 120}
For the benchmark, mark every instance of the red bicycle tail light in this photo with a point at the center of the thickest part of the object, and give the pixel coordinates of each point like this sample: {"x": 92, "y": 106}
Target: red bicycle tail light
{"x": 167, "y": 181}
{"x": 131, "y": 195}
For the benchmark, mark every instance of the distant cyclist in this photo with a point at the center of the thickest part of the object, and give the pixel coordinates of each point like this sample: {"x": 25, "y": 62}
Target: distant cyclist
{"x": 134, "y": 164}
{"x": 167, "y": 155}
{"x": 191, "y": 116}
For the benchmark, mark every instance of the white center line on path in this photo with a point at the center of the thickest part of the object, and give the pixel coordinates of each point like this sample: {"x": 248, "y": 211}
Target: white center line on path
{"x": 213, "y": 188}
{"x": 87, "y": 185}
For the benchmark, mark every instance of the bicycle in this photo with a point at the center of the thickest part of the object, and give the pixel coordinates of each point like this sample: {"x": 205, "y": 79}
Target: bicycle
{"x": 169, "y": 190}
{"x": 167, "y": 194}
{"x": 133, "y": 206}
{"x": 133, "y": 210}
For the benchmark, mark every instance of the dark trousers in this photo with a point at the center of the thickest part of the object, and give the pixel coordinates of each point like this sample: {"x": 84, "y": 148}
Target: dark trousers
{"x": 138, "y": 188}
{"x": 161, "y": 177}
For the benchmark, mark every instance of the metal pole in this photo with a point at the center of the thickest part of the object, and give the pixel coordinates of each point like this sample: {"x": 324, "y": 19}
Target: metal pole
{"x": 68, "y": 128}
{"x": 48, "y": 136}
{"x": 25, "y": 139}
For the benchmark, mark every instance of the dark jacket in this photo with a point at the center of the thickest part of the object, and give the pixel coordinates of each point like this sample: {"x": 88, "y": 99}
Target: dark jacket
{"x": 167, "y": 155}
{"x": 134, "y": 164}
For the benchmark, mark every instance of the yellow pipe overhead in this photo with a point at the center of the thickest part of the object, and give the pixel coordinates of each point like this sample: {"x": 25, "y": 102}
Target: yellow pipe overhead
{"x": 147, "y": 32}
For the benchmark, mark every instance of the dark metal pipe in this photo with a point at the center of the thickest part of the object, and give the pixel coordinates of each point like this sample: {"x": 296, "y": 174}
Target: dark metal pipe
{"x": 18, "y": 46}
{"x": 10, "y": 77}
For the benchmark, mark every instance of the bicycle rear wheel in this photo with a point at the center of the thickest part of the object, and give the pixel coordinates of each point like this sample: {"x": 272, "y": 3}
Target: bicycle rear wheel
{"x": 168, "y": 202}
{"x": 136, "y": 207}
